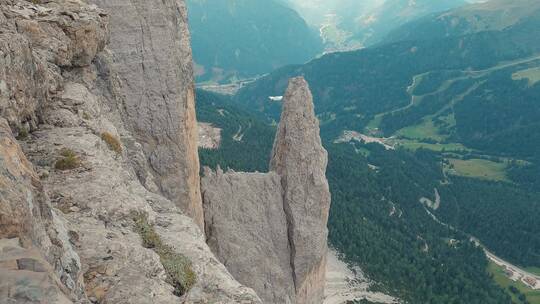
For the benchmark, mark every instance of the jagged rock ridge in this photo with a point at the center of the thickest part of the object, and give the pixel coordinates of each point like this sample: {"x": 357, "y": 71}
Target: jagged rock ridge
{"x": 269, "y": 229}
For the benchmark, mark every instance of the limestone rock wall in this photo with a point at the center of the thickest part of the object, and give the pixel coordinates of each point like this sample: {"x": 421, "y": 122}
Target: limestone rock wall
{"x": 36, "y": 42}
{"x": 271, "y": 237}
{"x": 247, "y": 229}
{"x": 37, "y": 259}
{"x": 151, "y": 55}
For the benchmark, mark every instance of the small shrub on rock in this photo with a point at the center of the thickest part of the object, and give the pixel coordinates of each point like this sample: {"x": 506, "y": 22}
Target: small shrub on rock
{"x": 23, "y": 134}
{"x": 68, "y": 160}
{"x": 147, "y": 232}
{"x": 177, "y": 266}
{"x": 113, "y": 142}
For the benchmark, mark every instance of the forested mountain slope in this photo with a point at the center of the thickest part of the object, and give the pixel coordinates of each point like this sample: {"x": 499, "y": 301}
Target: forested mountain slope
{"x": 396, "y": 85}
{"x": 465, "y": 105}
{"x": 493, "y": 15}
{"x": 376, "y": 218}
{"x": 244, "y": 38}
{"x": 353, "y": 24}
{"x": 372, "y": 26}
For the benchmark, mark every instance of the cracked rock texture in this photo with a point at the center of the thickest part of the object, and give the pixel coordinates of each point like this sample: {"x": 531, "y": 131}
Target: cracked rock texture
{"x": 247, "y": 230}
{"x": 280, "y": 216}
{"x": 37, "y": 260}
{"x": 67, "y": 233}
{"x": 151, "y": 54}
{"x": 300, "y": 159}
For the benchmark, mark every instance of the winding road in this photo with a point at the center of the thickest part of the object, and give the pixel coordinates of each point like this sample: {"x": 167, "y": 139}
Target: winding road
{"x": 518, "y": 274}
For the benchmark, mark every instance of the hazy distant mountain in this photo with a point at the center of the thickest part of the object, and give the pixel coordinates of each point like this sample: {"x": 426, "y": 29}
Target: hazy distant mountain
{"x": 242, "y": 38}
{"x": 352, "y": 88}
{"x": 372, "y": 26}
{"x": 316, "y": 11}
{"x": 494, "y": 15}
{"x": 352, "y": 24}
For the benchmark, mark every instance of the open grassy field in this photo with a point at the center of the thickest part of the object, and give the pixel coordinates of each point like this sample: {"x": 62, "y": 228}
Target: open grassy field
{"x": 533, "y": 296}
{"x": 477, "y": 168}
{"x": 373, "y": 125}
{"x": 415, "y": 145}
{"x": 532, "y": 75}
{"x": 425, "y": 130}
{"x": 535, "y": 270}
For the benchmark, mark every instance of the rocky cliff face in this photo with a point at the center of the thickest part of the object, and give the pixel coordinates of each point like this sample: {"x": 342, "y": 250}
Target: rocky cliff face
{"x": 270, "y": 229}
{"x": 246, "y": 228}
{"x": 99, "y": 180}
{"x": 37, "y": 43}
{"x": 93, "y": 135}
{"x": 151, "y": 55}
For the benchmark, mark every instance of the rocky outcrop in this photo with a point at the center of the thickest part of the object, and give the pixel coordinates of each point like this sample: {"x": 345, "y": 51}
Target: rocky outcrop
{"x": 103, "y": 134}
{"x": 247, "y": 230}
{"x": 209, "y": 136}
{"x": 280, "y": 216}
{"x": 36, "y": 42}
{"x": 348, "y": 284}
{"x": 37, "y": 260}
{"x": 98, "y": 200}
{"x": 300, "y": 159}
{"x": 151, "y": 55}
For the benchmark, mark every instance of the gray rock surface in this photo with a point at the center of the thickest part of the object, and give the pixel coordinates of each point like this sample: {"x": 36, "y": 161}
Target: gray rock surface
{"x": 26, "y": 276}
{"x": 67, "y": 236}
{"x": 98, "y": 200}
{"x": 247, "y": 229}
{"x": 28, "y": 221}
{"x": 151, "y": 55}
{"x": 300, "y": 159}
{"x": 270, "y": 229}
{"x": 35, "y": 42}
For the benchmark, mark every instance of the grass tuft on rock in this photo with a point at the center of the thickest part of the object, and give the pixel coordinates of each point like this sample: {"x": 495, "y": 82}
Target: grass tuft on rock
{"x": 113, "y": 142}
{"x": 23, "y": 134}
{"x": 177, "y": 266}
{"x": 68, "y": 160}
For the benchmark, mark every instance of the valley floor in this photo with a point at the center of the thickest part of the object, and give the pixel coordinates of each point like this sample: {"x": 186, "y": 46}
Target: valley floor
{"x": 515, "y": 273}
{"x": 529, "y": 280}
{"x": 229, "y": 88}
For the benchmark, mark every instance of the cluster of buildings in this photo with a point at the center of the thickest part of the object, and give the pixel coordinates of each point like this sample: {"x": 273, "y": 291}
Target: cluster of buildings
{"x": 516, "y": 275}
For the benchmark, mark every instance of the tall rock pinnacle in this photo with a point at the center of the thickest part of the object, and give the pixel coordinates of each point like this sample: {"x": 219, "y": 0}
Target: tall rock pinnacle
{"x": 269, "y": 229}
{"x": 300, "y": 159}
